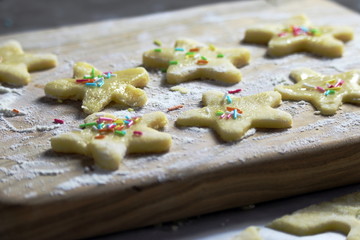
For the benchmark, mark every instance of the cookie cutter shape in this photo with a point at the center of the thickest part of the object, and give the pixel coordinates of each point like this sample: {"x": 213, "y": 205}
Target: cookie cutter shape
{"x": 339, "y": 215}
{"x": 190, "y": 60}
{"x": 107, "y": 139}
{"x": 15, "y": 64}
{"x": 325, "y": 93}
{"x": 298, "y": 35}
{"x": 231, "y": 117}
{"x": 121, "y": 87}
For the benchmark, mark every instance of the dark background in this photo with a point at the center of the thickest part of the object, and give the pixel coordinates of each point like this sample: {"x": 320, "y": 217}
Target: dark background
{"x": 27, "y": 15}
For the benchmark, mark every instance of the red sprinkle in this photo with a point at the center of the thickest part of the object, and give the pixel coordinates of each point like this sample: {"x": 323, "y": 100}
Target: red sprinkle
{"x": 234, "y": 91}
{"x": 16, "y": 111}
{"x": 99, "y": 136}
{"x": 137, "y": 133}
{"x": 58, "y": 121}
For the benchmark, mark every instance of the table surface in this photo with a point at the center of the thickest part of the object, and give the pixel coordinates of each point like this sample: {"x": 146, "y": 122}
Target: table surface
{"x": 211, "y": 226}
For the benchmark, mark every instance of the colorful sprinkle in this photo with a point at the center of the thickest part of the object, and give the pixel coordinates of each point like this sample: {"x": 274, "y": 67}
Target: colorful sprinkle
{"x": 190, "y": 53}
{"x": 219, "y": 113}
{"x": 157, "y": 43}
{"x": 234, "y": 91}
{"x": 121, "y": 133}
{"x": 157, "y": 50}
{"x": 137, "y": 133}
{"x": 174, "y": 62}
{"x": 87, "y": 124}
{"x": 175, "y": 108}
{"x": 339, "y": 83}
{"x": 320, "y": 89}
{"x": 91, "y": 84}
{"x": 15, "y": 111}
{"x": 202, "y": 62}
{"x": 56, "y": 120}
{"x": 228, "y": 99}
{"x": 178, "y": 49}
{"x": 105, "y": 119}
{"x": 220, "y": 55}
{"x": 235, "y": 114}
{"x": 212, "y": 47}
{"x": 99, "y": 136}
{"x": 230, "y": 109}
{"x": 194, "y": 50}
{"x": 329, "y": 92}
{"x": 203, "y": 58}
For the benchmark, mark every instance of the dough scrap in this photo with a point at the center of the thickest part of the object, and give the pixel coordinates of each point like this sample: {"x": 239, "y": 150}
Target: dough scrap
{"x": 232, "y": 116}
{"x": 122, "y": 87}
{"x": 326, "y": 93}
{"x": 108, "y": 144}
{"x": 15, "y": 64}
{"x": 190, "y": 60}
{"x": 341, "y": 214}
{"x": 298, "y": 35}
{"x": 250, "y": 233}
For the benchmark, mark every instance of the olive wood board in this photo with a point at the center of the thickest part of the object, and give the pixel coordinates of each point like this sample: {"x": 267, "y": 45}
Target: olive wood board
{"x": 52, "y": 195}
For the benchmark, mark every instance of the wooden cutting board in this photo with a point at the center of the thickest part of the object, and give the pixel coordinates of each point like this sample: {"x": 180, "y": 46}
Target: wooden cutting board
{"x": 49, "y": 195}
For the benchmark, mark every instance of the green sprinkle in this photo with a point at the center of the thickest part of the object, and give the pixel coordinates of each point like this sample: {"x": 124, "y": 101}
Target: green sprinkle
{"x": 164, "y": 70}
{"x": 219, "y": 113}
{"x": 157, "y": 50}
{"x": 87, "y": 124}
{"x": 220, "y": 55}
{"x": 315, "y": 31}
{"x": 190, "y": 53}
{"x": 157, "y": 43}
{"x": 93, "y": 72}
{"x": 203, "y": 58}
{"x": 121, "y": 133}
{"x": 173, "y": 62}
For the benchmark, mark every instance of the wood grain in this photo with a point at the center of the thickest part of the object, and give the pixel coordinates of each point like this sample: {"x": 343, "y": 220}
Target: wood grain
{"x": 196, "y": 177}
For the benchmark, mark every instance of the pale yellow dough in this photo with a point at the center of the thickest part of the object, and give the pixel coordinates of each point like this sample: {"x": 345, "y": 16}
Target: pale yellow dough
{"x": 222, "y": 69}
{"x": 122, "y": 88}
{"x": 250, "y": 233}
{"x": 341, "y": 214}
{"x": 15, "y": 64}
{"x": 257, "y": 111}
{"x": 109, "y": 151}
{"x": 329, "y": 42}
{"x": 348, "y": 92}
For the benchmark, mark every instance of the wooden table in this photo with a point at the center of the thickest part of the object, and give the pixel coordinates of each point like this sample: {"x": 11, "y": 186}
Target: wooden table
{"x": 47, "y": 195}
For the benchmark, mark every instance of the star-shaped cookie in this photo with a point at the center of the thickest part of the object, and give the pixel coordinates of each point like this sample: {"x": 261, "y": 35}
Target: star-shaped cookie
{"x": 232, "y": 116}
{"x": 339, "y": 215}
{"x": 298, "y": 35}
{"x": 190, "y": 60}
{"x": 107, "y": 138}
{"x": 326, "y": 93}
{"x": 98, "y": 89}
{"x": 15, "y": 64}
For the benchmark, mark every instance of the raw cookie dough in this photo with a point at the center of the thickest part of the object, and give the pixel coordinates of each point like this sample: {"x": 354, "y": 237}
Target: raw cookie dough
{"x": 107, "y": 138}
{"x": 326, "y": 93}
{"x": 250, "y": 233}
{"x": 341, "y": 214}
{"x": 15, "y": 65}
{"x": 232, "y": 116}
{"x": 190, "y": 60}
{"x": 120, "y": 87}
{"x": 298, "y": 35}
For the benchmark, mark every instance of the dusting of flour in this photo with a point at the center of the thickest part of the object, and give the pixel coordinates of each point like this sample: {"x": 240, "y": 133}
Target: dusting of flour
{"x": 29, "y": 159}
